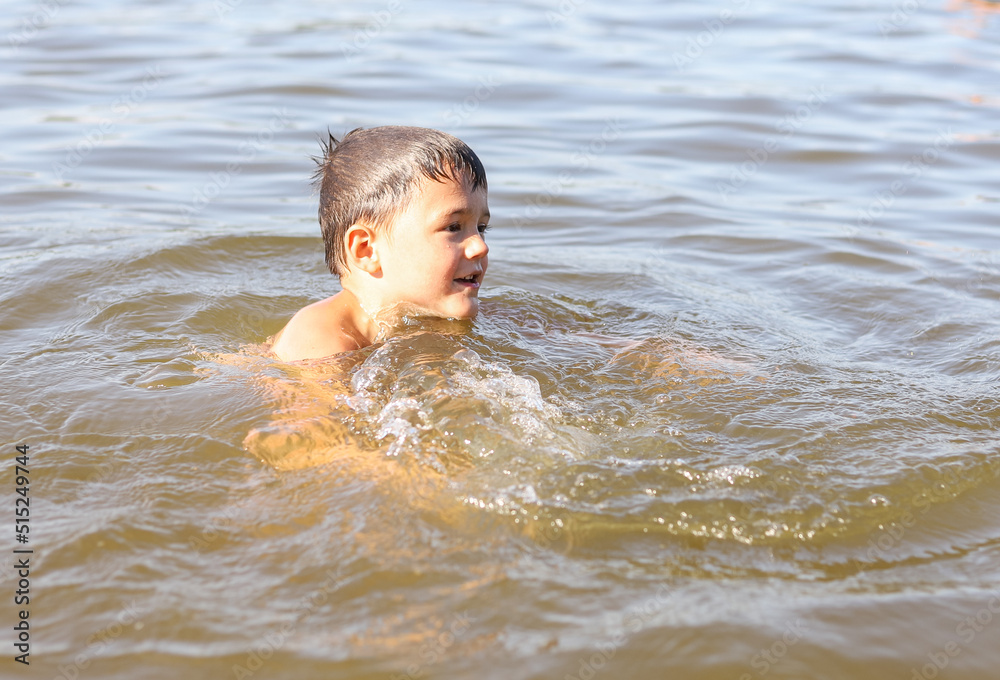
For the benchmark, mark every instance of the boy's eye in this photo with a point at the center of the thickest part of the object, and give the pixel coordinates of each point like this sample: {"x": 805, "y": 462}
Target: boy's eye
{"x": 454, "y": 227}
{"x": 483, "y": 228}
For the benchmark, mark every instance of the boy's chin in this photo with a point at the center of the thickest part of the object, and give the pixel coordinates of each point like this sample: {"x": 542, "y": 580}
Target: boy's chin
{"x": 470, "y": 309}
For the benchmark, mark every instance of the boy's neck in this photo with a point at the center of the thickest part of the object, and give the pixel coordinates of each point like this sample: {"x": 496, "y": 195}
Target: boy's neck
{"x": 364, "y": 308}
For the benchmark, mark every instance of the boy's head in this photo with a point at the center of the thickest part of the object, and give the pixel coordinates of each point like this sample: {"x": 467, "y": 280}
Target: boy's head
{"x": 371, "y": 176}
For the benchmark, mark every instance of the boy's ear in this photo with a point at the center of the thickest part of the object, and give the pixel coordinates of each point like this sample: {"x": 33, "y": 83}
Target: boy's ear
{"x": 359, "y": 242}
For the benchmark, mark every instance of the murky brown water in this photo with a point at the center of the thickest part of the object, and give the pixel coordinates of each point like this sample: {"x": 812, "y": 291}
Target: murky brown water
{"x": 730, "y": 410}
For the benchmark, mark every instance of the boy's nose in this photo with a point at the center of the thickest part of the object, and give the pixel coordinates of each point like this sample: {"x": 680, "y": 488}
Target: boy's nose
{"x": 476, "y": 248}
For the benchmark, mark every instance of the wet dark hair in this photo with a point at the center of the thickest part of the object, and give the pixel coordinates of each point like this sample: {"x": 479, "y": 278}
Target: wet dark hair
{"x": 369, "y": 175}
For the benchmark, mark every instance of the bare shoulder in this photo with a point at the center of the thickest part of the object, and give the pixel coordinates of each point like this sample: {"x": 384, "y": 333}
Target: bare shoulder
{"x": 316, "y": 331}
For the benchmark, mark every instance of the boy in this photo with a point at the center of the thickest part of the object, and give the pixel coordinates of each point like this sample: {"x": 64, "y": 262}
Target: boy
{"x": 403, "y": 213}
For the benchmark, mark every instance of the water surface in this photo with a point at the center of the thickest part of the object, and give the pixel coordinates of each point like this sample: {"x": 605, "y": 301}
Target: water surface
{"x": 730, "y": 410}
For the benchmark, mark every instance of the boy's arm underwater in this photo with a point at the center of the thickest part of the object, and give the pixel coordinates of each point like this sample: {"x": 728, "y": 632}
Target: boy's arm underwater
{"x": 309, "y": 423}
{"x": 297, "y": 444}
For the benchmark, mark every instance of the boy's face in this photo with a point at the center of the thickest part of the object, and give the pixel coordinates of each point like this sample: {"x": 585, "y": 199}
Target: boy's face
{"x": 433, "y": 254}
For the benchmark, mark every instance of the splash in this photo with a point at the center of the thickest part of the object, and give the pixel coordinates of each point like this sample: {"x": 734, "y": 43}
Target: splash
{"x": 421, "y": 398}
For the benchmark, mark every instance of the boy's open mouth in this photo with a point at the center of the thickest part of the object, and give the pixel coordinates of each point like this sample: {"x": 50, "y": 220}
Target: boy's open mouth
{"x": 470, "y": 280}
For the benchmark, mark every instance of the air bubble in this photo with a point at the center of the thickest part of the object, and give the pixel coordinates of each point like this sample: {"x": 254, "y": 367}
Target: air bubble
{"x": 467, "y": 356}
